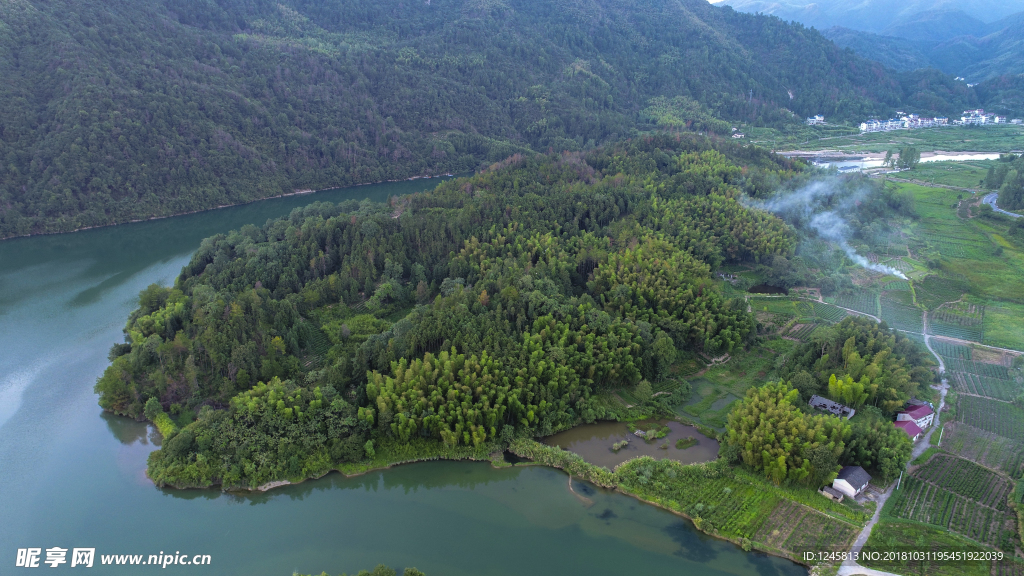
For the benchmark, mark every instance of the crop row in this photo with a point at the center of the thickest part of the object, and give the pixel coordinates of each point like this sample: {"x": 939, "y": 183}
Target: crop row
{"x": 798, "y": 308}
{"x": 900, "y": 265}
{"x": 950, "y": 316}
{"x": 802, "y": 331}
{"x": 996, "y": 388}
{"x": 985, "y": 448}
{"x": 901, "y": 285}
{"x": 997, "y": 417}
{"x": 979, "y": 368}
{"x": 966, "y": 479}
{"x": 949, "y": 350}
{"x": 863, "y": 301}
{"x": 973, "y": 333}
{"x": 925, "y": 502}
{"x": 902, "y": 317}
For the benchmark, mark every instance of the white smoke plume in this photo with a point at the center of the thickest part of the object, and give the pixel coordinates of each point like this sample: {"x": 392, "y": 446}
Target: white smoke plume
{"x": 815, "y": 207}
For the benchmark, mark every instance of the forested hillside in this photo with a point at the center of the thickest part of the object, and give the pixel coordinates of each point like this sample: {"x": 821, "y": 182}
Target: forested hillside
{"x": 494, "y": 306}
{"x": 121, "y": 110}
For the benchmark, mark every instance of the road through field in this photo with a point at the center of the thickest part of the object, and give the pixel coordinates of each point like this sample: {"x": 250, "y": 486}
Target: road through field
{"x": 990, "y": 199}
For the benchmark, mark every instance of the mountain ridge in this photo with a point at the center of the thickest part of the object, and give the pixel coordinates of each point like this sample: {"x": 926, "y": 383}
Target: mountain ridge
{"x": 133, "y": 110}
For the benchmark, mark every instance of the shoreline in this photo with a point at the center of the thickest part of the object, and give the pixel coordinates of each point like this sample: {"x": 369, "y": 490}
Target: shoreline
{"x": 843, "y": 155}
{"x": 264, "y": 488}
{"x": 300, "y": 192}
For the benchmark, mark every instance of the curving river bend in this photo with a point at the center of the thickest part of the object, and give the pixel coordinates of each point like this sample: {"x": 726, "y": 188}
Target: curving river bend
{"x": 71, "y": 476}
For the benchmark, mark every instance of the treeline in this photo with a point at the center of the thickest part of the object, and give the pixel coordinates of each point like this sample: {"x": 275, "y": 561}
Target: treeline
{"x": 858, "y": 363}
{"x": 126, "y": 110}
{"x": 1007, "y": 176}
{"x": 492, "y": 307}
{"x": 772, "y": 432}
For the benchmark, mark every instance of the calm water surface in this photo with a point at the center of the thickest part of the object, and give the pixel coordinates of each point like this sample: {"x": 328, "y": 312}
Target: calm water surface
{"x": 71, "y": 476}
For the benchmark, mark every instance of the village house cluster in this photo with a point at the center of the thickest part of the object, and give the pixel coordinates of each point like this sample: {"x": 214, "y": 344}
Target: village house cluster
{"x": 910, "y": 121}
{"x": 903, "y": 122}
{"x": 853, "y": 480}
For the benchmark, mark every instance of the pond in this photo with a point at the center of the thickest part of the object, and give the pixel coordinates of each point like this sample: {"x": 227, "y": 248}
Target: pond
{"x": 594, "y": 443}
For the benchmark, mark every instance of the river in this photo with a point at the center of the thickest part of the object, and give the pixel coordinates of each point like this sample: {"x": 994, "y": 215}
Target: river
{"x": 71, "y": 476}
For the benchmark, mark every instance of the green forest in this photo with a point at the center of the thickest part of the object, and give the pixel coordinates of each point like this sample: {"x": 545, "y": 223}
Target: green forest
{"x": 506, "y": 305}
{"x": 119, "y": 111}
{"x": 494, "y": 307}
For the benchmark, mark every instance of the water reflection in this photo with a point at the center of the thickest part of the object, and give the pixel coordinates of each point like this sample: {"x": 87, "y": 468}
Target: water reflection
{"x": 126, "y": 430}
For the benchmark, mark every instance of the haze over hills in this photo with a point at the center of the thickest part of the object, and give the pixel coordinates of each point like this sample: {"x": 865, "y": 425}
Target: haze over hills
{"x": 975, "y": 39}
{"x": 122, "y": 110}
{"x": 880, "y": 16}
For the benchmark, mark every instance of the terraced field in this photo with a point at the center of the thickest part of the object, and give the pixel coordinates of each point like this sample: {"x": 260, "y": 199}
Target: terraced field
{"x": 997, "y": 388}
{"x": 985, "y": 448}
{"x": 901, "y": 316}
{"x": 999, "y": 418}
{"x": 950, "y": 350}
{"x": 862, "y": 301}
{"x": 960, "y": 496}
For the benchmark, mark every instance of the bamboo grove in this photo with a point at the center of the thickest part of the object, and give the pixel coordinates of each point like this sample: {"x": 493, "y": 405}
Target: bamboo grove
{"x": 494, "y": 306}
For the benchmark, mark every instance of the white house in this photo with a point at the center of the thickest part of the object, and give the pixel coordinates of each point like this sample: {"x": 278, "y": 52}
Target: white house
{"x": 852, "y": 480}
{"x": 920, "y": 414}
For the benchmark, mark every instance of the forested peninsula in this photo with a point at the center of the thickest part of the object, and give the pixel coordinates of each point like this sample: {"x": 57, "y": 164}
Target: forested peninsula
{"x": 496, "y": 307}
{"x": 119, "y": 111}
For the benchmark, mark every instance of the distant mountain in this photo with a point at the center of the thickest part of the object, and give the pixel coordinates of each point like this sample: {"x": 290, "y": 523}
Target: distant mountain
{"x": 935, "y": 25}
{"x": 895, "y": 53}
{"x": 874, "y": 15}
{"x": 991, "y": 50}
{"x": 125, "y": 109}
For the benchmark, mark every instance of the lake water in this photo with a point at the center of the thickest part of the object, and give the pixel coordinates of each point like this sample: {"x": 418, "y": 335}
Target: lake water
{"x": 865, "y": 163}
{"x": 71, "y": 476}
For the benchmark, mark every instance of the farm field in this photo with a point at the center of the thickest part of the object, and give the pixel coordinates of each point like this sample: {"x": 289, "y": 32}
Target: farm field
{"x": 963, "y": 270}
{"x": 948, "y": 139}
{"x": 861, "y": 301}
{"x": 793, "y": 527}
{"x": 951, "y": 350}
{"x": 1004, "y": 325}
{"x": 959, "y": 174}
{"x": 960, "y": 496}
{"x": 985, "y": 448}
{"x": 892, "y": 533}
{"x": 901, "y": 316}
{"x": 740, "y": 505}
{"x": 996, "y": 388}
{"x": 993, "y": 416}
{"x": 960, "y": 320}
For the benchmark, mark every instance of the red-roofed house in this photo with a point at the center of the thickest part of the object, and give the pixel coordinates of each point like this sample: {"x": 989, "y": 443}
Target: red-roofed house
{"x": 910, "y": 428}
{"x": 920, "y": 414}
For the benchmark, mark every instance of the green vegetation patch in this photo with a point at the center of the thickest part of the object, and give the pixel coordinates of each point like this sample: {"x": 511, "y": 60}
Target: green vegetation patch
{"x": 1002, "y": 418}
{"x": 1004, "y": 326}
{"x": 890, "y": 534}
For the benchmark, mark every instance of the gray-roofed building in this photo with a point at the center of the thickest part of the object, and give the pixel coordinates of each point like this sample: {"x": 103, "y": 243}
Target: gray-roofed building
{"x": 852, "y": 480}
{"x": 831, "y": 493}
{"x": 831, "y": 407}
